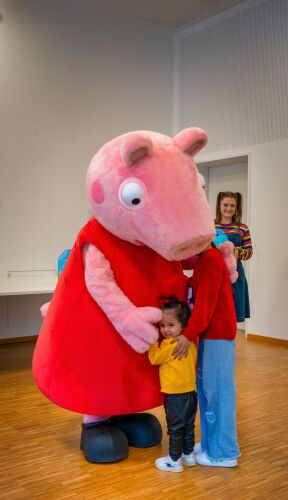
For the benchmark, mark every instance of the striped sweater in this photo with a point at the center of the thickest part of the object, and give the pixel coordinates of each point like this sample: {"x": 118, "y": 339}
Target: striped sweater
{"x": 245, "y": 251}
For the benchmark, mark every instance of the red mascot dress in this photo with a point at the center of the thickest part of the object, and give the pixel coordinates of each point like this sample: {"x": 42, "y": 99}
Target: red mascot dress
{"x": 81, "y": 362}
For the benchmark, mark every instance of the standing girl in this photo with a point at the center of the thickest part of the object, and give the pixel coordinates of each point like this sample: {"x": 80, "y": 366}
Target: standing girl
{"x": 229, "y": 220}
{"x": 213, "y": 320}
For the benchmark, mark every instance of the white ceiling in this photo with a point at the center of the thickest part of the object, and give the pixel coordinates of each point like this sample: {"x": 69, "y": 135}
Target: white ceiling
{"x": 171, "y": 14}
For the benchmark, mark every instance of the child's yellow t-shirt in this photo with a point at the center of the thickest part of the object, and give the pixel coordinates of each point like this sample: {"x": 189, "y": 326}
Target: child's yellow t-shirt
{"x": 176, "y": 375}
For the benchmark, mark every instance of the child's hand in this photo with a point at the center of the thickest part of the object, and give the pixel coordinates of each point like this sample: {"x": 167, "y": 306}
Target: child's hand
{"x": 181, "y": 348}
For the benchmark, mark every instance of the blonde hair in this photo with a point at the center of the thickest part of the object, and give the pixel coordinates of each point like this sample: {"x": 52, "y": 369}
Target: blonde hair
{"x": 237, "y": 217}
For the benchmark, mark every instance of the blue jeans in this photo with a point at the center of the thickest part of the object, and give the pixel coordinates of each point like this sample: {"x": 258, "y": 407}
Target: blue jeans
{"x": 217, "y": 398}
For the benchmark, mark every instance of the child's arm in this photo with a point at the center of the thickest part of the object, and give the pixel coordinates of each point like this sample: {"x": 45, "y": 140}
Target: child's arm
{"x": 159, "y": 354}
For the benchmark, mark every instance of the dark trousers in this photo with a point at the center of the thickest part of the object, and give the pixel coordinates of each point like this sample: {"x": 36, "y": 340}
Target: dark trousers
{"x": 180, "y": 412}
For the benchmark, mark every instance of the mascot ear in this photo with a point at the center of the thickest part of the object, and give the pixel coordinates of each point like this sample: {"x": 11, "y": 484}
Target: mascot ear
{"x": 191, "y": 140}
{"x": 135, "y": 147}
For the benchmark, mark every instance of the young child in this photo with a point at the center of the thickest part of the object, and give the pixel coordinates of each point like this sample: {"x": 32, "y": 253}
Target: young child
{"x": 213, "y": 320}
{"x": 178, "y": 382}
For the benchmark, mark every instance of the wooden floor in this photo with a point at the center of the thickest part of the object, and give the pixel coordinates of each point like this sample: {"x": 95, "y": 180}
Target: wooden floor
{"x": 40, "y": 456}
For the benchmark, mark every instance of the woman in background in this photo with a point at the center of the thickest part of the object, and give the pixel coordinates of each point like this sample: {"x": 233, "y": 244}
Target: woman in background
{"x": 229, "y": 221}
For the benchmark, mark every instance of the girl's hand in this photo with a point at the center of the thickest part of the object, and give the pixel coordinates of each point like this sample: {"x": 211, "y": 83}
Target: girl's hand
{"x": 237, "y": 252}
{"x": 181, "y": 348}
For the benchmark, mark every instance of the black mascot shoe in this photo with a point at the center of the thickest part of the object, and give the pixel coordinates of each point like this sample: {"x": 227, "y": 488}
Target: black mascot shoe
{"x": 103, "y": 443}
{"x": 142, "y": 429}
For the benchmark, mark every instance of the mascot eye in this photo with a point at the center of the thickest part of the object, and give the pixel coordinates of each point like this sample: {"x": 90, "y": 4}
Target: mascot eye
{"x": 132, "y": 193}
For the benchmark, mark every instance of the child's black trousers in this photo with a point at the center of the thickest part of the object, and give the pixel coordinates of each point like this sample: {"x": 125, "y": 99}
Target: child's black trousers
{"x": 180, "y": 412}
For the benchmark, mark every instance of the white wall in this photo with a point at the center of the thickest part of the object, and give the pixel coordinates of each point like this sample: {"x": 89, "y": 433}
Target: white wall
{"x": 232, "y": 76}
{"x": 232, "y": 81}
{"x": 72, "y": 76}
{"x": 268, "y": 271}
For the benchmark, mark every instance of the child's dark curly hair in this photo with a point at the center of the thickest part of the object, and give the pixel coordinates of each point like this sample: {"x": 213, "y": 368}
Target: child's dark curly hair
{"x": 182, "y": 311}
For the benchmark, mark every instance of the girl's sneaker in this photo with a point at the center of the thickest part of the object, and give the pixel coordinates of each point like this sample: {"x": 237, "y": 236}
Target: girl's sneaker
{"x": 197, "y": 448}
{"x": 188, "y": 460}
{"x": 167, "y": 464}
{"x": 203, "y": 459}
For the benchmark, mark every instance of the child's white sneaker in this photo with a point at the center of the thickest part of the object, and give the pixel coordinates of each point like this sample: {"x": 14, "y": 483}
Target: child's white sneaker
{"x": 203, "y": 459}
{"x": 167, "y": 464}
{"x": 197, "y": 448}
{"x": 188, "y": 460}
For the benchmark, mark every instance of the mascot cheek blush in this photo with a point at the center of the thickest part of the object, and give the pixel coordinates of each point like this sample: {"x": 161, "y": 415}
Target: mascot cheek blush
{"x": 149, "y": 212}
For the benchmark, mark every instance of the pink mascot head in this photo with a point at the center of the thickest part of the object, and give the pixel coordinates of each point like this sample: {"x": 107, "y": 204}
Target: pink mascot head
{"x": 143, "y": 187}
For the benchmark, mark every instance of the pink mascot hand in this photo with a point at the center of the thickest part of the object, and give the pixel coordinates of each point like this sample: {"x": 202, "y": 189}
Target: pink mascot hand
{"x": 151, "y": 314}
{"x": 134, "y": 324}
{"x": 136, "y": 327}
{"x": 227, "y": 251}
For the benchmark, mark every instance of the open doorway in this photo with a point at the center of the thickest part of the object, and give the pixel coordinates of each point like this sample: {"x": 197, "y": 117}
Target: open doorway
{"x": 229, "y": 174}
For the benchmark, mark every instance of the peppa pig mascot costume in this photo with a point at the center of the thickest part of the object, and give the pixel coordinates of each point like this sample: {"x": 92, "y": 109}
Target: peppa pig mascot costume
{"x": 149, "y": 212}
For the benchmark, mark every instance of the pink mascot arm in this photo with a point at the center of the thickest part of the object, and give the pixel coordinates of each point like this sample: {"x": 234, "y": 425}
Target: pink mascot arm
{"x": 227, "y": 251}
{"x": 134, "y": 324}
